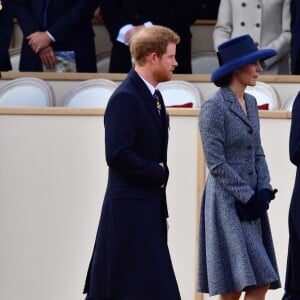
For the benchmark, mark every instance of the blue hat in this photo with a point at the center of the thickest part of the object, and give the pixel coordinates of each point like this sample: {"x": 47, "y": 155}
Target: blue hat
{"x": 236, "y": 53}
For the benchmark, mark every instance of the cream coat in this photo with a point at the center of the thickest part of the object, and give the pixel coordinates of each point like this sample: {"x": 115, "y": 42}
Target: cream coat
{"x": 267, "y": 21}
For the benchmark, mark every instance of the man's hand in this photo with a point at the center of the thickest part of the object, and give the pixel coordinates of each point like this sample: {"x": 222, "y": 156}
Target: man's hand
{"x": 97, "y": 14}
{"x": 48, "y": 57}
{"x": 38, "y": 41}
{"x": 131, "y": 32}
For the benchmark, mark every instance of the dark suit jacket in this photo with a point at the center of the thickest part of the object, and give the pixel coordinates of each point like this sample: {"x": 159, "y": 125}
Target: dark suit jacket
{"x": 131, "y": 258}
{"x": 209, "y": 9}
{"x": 68, "y": 21}
{"x": 178, "y": 15}
{"x": 293, "y": 264}
{"x": 6, "y": 28}
{"x": 295, "y": 42}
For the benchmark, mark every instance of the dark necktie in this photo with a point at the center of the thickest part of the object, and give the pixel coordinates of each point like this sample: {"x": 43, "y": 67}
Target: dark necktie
{"x": 157, "y": 102}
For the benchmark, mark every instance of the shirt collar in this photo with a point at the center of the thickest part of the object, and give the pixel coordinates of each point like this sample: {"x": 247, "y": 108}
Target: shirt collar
{"x": 149, "y": 85}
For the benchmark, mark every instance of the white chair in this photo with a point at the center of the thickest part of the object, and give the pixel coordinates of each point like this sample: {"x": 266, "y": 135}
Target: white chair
{"x": 265, "y": 94}
{"x": 204, "y": 62}
{"x": 180, "y": 93}
{"x": 288, "y": 104}
{"x": 90, "y": 93}
{"x": 15, "y": 58}
{"x": 26, "y": 92}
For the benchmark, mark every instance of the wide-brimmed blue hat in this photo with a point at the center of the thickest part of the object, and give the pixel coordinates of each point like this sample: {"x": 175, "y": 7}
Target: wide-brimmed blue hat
{"x": 236, "y": 53}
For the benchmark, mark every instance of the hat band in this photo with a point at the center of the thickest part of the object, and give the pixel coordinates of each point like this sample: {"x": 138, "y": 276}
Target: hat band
{"x": 243, "y": 48}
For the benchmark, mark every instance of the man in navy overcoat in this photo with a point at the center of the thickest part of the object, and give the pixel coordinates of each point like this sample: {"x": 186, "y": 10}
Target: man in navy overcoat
{"x": 56, "y": 25}
{"x": 131, "y": 260}
{"x": 292, "y": 282}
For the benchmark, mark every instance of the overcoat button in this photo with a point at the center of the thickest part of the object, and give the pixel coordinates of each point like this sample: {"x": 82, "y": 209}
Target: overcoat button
{"x": 243, "y": 23}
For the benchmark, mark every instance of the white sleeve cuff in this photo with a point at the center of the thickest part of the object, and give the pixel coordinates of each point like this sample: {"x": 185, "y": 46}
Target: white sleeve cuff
{"x": 148, "y": 24}
{"x": 122, "y": 33}
{"x": 50, "y": 36}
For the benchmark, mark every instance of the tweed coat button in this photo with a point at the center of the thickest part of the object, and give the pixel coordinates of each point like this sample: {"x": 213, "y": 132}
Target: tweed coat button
{"x": 249, "y": 130}
{"x": 250, "y": 173}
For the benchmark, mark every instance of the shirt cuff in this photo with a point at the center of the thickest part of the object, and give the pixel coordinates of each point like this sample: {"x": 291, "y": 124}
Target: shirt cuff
{"x": 148, "y": 24}
{"x": 50, "y": 36}
{"x": 122, "y": 33}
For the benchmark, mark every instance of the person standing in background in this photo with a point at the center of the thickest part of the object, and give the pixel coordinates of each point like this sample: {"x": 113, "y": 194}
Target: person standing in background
{"x": 6, "y": 29}
{"x": 267, "y": 22}
{"x": 292, "y": 286}
{"x": 123, "y": 18}
{"x": 97, "y": 12}
{"x": 209, "y": 9}
{"x": 56, "y": 25}
{"x": 236, "y": 252}
{"x": 131, "y": 258}
{"x": 295, "y": 43}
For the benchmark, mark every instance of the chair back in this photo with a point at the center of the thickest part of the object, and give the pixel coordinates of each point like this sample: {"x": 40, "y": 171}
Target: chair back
{"x": 180, "y": 93}
{"x": 266, "y": 96}
{"x": 288, "y": 104}
{"x": 204, "y": 62}
{"x": 26, "y": 92}
{"x": 90, "y": 93}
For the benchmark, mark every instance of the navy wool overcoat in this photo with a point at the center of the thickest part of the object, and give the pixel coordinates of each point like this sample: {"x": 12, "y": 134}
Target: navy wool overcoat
{"x": 131, "y": 260}
{"x": 293, "y": 263}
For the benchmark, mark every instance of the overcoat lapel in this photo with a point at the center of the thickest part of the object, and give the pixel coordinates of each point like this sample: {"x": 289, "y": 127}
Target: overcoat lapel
{"x": 236, "y": 108}
{"x": 148, "y": 100}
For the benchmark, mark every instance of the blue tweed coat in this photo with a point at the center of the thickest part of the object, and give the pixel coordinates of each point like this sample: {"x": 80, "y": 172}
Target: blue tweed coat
{"x": 233, "y": 254}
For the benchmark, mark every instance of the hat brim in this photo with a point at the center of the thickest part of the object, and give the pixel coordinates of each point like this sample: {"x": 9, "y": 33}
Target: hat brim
{"x": 235, "y": 64}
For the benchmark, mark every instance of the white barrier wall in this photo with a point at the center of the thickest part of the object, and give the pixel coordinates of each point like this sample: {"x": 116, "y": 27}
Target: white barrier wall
{"x": 52, "y": 181}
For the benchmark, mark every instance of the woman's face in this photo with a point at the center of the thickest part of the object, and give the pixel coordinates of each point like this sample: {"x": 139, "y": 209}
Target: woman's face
{"x": 248, "y": 74}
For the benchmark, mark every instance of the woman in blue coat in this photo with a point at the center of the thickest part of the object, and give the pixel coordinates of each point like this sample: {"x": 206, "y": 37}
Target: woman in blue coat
{"x": 236, "y": 248}
{"x": 292, "y": 287}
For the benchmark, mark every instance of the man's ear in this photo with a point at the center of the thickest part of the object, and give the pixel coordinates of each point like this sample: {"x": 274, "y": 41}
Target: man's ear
{"x": 153, "y": 58}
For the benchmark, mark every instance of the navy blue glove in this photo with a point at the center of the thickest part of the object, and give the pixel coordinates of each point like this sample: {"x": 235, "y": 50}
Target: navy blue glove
{"x": 266, "y": 194}
{"x": 257, "y": 205}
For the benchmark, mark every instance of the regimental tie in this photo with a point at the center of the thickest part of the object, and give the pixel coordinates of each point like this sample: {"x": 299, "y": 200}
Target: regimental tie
{"x": 156, "y": 98}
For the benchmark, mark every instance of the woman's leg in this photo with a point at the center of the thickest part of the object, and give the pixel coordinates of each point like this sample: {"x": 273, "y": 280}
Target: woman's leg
{"x": 257, "y": 293}
{"x": 230, "y": 296}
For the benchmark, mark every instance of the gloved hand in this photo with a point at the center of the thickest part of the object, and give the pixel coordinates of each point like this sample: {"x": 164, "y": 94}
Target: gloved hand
{"x": 256, "y": 206}
{"x": 266, "y": 194}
